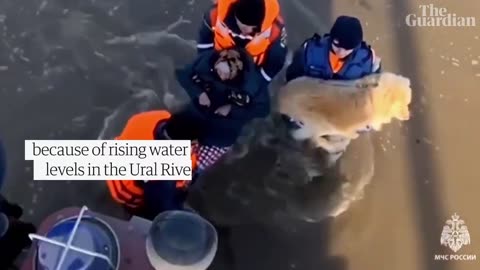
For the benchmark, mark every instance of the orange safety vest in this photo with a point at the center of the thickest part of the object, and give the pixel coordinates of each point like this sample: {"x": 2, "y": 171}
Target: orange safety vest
{"x": 140, "y": 127}
{"x": 270, "y": 31}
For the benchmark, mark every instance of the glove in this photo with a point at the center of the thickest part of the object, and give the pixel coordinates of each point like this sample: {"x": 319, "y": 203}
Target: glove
{"x": 240, "y": 99}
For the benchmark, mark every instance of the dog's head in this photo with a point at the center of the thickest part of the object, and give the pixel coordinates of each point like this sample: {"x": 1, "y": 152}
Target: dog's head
{"x": 391, "y": 99}
{"x": 229, "y": 64}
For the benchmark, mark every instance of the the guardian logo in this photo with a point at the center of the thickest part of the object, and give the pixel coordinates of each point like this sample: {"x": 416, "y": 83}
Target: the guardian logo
{"x": 455, "y": 235}
{"x": 431, "y": 16}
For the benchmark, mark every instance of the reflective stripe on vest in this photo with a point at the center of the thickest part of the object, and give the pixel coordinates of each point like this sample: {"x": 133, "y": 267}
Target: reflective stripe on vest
{"x": 270, "y": 30}
{"x": 122, "y": 192}
{"x": 131, "y": 194}
{"x": 317, "y": 61}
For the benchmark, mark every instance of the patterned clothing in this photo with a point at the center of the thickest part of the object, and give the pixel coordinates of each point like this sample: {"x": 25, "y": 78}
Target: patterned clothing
{"x": 208, "y": 155}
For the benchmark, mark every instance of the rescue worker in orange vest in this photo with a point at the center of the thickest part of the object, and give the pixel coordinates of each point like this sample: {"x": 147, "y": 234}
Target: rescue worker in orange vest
{"x": 255, "y": 25}
{"x": 149, "y": 198}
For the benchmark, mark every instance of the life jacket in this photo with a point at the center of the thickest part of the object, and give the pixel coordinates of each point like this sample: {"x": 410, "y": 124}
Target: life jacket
{"x": 140, "y": 127}
{"x": 317, "y": 60}
{"x": 271, "y": 29}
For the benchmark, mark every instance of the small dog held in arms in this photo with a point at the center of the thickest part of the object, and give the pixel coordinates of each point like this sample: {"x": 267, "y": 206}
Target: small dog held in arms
{"x": 334, "y": 112}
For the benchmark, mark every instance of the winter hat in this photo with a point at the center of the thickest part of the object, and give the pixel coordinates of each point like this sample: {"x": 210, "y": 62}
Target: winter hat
{"x": 250, "y": 12}
{"x": 183, "y": 126}
{"x": 348, "y": 31}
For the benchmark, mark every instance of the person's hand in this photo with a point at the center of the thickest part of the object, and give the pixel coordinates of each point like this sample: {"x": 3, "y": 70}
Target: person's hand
{"x": 204, "y": 100}
{"x": 224, "y": 110}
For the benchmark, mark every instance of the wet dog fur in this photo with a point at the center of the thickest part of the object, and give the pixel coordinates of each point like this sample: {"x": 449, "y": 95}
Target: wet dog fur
{"x": 341, "y": 109}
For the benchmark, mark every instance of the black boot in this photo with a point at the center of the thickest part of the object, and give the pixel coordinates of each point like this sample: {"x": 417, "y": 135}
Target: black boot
{"x": 14, "y": 241}
{"x": 11, "y": 210}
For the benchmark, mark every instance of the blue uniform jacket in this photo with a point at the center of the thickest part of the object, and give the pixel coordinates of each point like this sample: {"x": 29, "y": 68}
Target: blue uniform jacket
{"x": 220, "y": 130}
{"x": 312, "y": 59}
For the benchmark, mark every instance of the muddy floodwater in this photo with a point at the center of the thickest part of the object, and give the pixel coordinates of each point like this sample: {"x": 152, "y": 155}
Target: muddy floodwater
{"x": 79, "y": 69}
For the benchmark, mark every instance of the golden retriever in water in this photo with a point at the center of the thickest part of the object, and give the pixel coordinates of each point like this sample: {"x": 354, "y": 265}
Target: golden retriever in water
{"x": 340, "y": 109}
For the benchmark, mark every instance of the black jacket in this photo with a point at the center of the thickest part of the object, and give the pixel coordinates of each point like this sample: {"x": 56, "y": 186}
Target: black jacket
{"x": 223, "y": 130}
